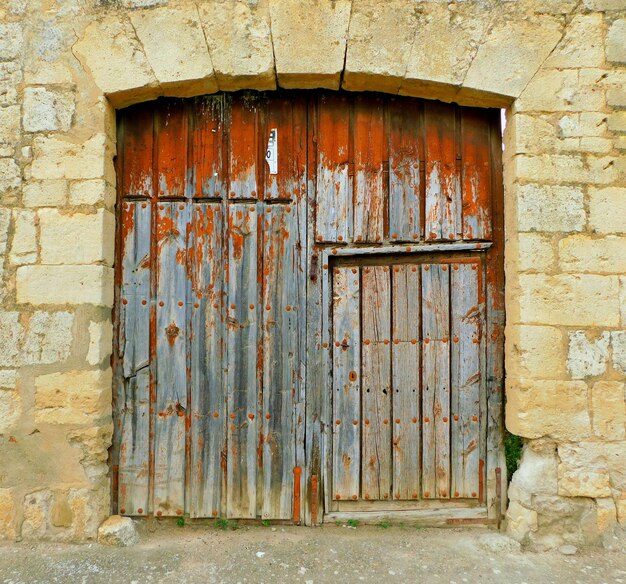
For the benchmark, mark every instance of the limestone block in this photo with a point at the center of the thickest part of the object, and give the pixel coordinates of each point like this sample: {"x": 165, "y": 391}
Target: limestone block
{"x": 557, "y": 409}
{"x": 309, "y": 41}
{"x": 535, "y": 352}
{"x": 604, "y": 5}
{"x": 182, "y": 68}
{"x": 9, "y": 124}
{"x": 36, "y": 514}
{"x": 587, "y": 357}
{"x": 595, "y": 145}
{"x": 73, "y": 397}
{"x": 78, "y": 238}
{"x": 532, "y": 134}
{"x": 5, "y": 222}
{"x": 584, "y": 124}
{"x": 581, "y": 253}
{"x": 569, "y": 300}
{"x": 10, "y": 176}
{"x": 142, "y": 3}
{"x": 92, "y": 192}
{"x": 608, "y": 409}
{"x": 45, "y": 193}
{"x": 47, "y": 73}
{"x": 618, "y": 346}
{"x": 616, "y": 122}
{"x": 511, "y": 53}
{"x": 47, "y": 109}
{"x": 94, "y": 443}
{"x": 379, "y": 42}
{"x": 607, "y": 514}
{"x": 65, "y": 285}
{"x": 616, "y": 96}
{"x": 8, "y": 378}
{"x": 537, "y": 473}
{"x": 239, "y": 39}
{"x": 24, "y": 244}
{"x": 581, "y": 45}
{"x": 61, "y": 513}
{"x": 535, "y": 252}
{"x": 11, "y": 41}
{"x": 550, "y": 208}
{"x": 10, "y": 77}
{"x": 56, "y": 158}
{"x": 620, "y": 505}
{"x": 111, "y": 53}
{"x": 622, "y": 299}
{"x": 520, "y": 521}
{"x": 583, "y": 470}
{"x": 8, "y": 514}
{"x": 100, "y": 342}
{"x": 607, "y": 210}
{"x": 118, "y": 531}
{"x": 616, "y": 42}
{"x": 10, "y": 412}
{"x": 566, "y": 168}
{"x": 446, "y": 38}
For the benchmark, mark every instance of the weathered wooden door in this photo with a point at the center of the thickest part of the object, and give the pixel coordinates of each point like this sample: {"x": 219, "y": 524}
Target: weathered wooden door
{"x": 309, "y": 306}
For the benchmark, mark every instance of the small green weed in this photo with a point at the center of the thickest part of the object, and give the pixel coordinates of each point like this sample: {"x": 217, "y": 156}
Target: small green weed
{"x": 352, "y": 523}
{"x": 338, "y": 523}
{"x": 265, "y": 523}
{"x": 180, "y": 522}
{"x": 513, "y": 452}
{"x": 384, "y": 524}
{"x": 224, "y": 524}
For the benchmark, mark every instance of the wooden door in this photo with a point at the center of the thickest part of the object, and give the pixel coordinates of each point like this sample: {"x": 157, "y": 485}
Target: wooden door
{"x": 319, "y": 335}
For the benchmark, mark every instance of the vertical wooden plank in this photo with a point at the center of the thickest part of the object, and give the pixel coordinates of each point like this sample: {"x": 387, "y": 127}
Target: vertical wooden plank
{"x": 171, "y": 358}
{"x": 476, "y": 174}
{"x": 405, "y": 156}
{"x": 334, "y": 189}
{"x": 137, "y": 170}
{"x": 286, "y": 115}
{"x": 406, "y": 381}
{"x": 376, "y": 383}
{"x": 171, "y": 148}
{"x": 346, "y": 383}
{"x": 206, "y": 129}
{"x": 465, "y": 367}
{"x": 369, "y": 149}
{"x": 134, "y": 355}
{"x": 208, "y": 407}
{"x": 282, "y": 305}
{"x": 436, "y": 381}
{"x": 243, "y": 140}
{"x": 443, "y": 196}
{"x": 242, "y": 391}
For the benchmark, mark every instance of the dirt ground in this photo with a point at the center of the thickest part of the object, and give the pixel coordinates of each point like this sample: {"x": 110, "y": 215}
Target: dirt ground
{"x": 289, "y": 554}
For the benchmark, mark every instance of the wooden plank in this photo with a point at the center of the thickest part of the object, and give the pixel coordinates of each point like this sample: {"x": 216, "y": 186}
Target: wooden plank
{"x": 435, "y": 381}
{"x": 406, "y": 381}
{"x": 171, "y": 358}
{"x": 369, "y": 152}
{"x": 443, "y": 197}
{"x": 171, "y": 149}
{"x": 137, "y": 169}
{"x": 243, "y": 141}
{"x": 376, "y": 423}
{"x": 282, "y": 304}
{"x": 243, "y": 377}
{"x": 206, "y": 137}
{"x": 286, "y": 115}
{"x": 405, "y": 156}
{"x": 208, "y": 407}
{"x": 134, "y": 354}
{"x": 448, "y": 247}
{"x": 476, "y": 174}
{"x": 465, "y": 368}
{"x": 346, "y": 383}
{"x": 334, "y": 187}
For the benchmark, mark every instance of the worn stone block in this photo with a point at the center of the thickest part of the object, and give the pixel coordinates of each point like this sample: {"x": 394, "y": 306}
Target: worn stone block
{"x": 92, "y": 192}
{"x": 616, "y": 41}
{"x": 100, "y": 342}
{"x": 60, "y": 232}
{"x": 182, "y": 69}
{"x": 550, "y": 208}
{"x": 607, "y": 209}
{"x": 239, "y": 39}
{"x": 10, "y": 176}
{"x": 535, "y": 352}
{"x": 11, "y": 41}
{"x": 556, "y": 409}
{"x": 618, "y": 346}
{"x": 24, "y": 244}
{"x": 608, "y": 409}
{"x": 8, "y": 514}
{"x": 45, "y": 193}
{"x": 535, "y": 252}
{"x": 47, "y": 109}
{"x": 9, "y": 124}
{"x": 309, "y": 41}
{"x": 581, "y": 45}
{"x": 566, "y": 169}
{"x": 582, "y": 253}
{"x": 60, "y": 284}
{"x": 118, "y": 531}
{"x": 616, "y": 122}
{"x": 583, "y": 470}
{"x": 587, "y": 357}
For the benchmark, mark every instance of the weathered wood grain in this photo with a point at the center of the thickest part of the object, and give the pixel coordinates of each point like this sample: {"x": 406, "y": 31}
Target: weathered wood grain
{"x": 406, "y": 369}
{"x": 170, "y": 129}
{"x": 405, "y": 157}
{"x": 243, "y": 148}
{"x": 334, "y": 184}
{"x": 137, "y": 168}
{"x": 435, "y": 381}
{"x": 376, "y": 424}
{"x": 370, "y": 190}
{"x": 346, "y": 383}
{"x": 173, "y": 221}
{"x": 443, "y": 196}
{"x": 243, "y": 354}
{"x": 208, "y": 403}
{"x": 466, "y": 325}
{"x": 134, "y": 355}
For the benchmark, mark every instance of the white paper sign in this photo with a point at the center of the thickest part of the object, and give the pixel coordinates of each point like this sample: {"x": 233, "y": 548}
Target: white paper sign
{"x": 271, "y": 154}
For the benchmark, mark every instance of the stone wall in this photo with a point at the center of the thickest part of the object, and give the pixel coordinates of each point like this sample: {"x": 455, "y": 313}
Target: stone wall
{"x": 559, "y": 66}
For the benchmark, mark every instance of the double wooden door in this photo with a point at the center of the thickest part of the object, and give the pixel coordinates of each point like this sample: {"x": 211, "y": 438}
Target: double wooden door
{"x": 308, "y": 306}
